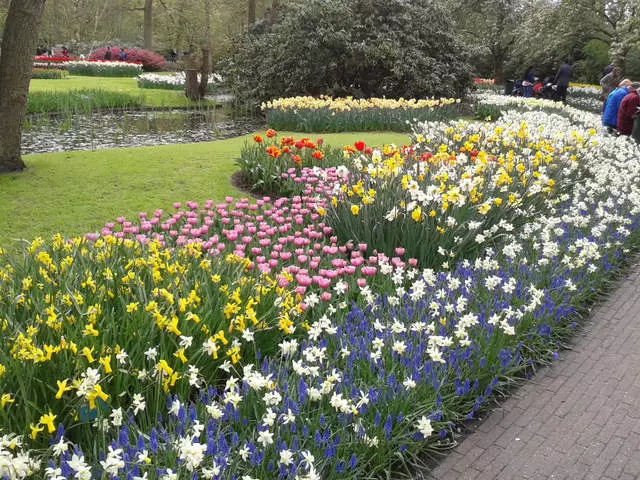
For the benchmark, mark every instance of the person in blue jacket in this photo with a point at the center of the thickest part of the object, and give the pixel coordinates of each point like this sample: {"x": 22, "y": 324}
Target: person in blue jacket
{"x": 610, "y": 113}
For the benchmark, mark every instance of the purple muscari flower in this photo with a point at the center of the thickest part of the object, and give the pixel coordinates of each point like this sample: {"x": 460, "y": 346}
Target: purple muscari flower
{"x": 302, "y": 390}
{"x": 153, "y": 440}
{"x": 270, "y": 466}
{"x": 388, "y": 425}
{"x": 329, "y": 452}
{"x": 353, "y": 462}
{"x": 376, "y": 420}
{"x": 442, "y": 434}
{"x": 123, "y": 436}
{"x": 399, "y": 418}
{"x": 340, "y": 466}
{"x": 317, "y": 438}
{"x": 305, "y": 431}
{"x": 141, "y": 444}
{"x": 323, "y": 423}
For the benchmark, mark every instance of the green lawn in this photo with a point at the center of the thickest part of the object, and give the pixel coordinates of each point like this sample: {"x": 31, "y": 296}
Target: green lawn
{"x": 153, "y": 97}
{"x": 76, "y": 192}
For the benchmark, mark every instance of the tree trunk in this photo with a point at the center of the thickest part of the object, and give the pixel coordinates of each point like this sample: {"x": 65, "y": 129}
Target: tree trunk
{"x": 191, "y": 88}
{"x": 275, "y": 7}
{"x": 205, "y": 67}
{"x": 498, "y": 69}
{"x": 204, "y": 71}
{"x": 251, "y": 18}
{"x": 18, "y": 46}
{"x": 148, "y": 24}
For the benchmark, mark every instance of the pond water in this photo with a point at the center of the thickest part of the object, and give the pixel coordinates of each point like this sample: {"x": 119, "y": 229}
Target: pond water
{"x": 57, "y": 133}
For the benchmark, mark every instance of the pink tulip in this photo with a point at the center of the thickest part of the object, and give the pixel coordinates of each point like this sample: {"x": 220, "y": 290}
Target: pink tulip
{"x": 325, "y": 297}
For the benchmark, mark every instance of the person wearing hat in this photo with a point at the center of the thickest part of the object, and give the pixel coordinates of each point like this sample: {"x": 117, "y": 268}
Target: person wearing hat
{"x": 628, "y": 110}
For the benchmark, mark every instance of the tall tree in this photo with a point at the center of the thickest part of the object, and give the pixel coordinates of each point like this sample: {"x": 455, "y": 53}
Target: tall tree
{"x": 19, "y": 42}
{"x": 148, "y": 24}
{"x": 251, "y": 17}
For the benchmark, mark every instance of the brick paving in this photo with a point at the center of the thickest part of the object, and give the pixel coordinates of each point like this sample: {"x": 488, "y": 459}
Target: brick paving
{"x": 578, "y": 419}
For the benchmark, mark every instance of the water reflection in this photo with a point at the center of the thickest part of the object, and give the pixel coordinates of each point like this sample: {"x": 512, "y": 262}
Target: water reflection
{"x": 57, "y": 133}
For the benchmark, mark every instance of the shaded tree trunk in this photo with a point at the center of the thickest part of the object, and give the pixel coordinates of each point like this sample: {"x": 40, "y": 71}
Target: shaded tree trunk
{"x": 275, "y": 7}
{"x": 148, "y": 24}
{"x": 191, "y": 87}
{"x": 19, "y": 43}
{"x": 498, "y": 69}
{"x": 251, "y": 18}
{"x": 205, "y": 70}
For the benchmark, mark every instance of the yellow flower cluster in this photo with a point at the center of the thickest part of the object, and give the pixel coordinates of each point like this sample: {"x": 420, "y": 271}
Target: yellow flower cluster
{"x": 459, "y": 172}
{"x": 350, "y": 103}
{"x": 86, "y": 326}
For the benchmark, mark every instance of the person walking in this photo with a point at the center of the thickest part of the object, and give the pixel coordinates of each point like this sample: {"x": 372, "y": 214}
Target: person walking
{"x": 608, "y": 84}
{"x": 107, "y": 54}
{"x": 610, "y": 113}
{"x": 123, "y": 55}
{"x": 528, "y": 80}
{"x": 628, "y": 110}
{"x": 562, "y": 79}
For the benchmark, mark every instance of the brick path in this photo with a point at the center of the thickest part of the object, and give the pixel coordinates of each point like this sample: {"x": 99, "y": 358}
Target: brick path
{"x": 578, "y": 419}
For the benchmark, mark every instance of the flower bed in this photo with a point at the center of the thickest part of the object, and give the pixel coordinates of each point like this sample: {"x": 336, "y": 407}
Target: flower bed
{"x": 274, "y": 347}
{"x": 326, "y": 114}
{"x": 175, "y": 81}
{"x": 278, "y": 166}
{"x": 93, "y": 68}
{"x": 48, "y": 73}
{"x": 104, "y": 68}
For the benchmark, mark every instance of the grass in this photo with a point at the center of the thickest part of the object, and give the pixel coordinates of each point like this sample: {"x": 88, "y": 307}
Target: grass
{"x": 76, "y": 192}
{"x": 152, "y": 98}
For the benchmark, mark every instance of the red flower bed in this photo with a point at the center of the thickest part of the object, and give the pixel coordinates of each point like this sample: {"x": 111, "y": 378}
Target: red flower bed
{"x": 151, "y": 62}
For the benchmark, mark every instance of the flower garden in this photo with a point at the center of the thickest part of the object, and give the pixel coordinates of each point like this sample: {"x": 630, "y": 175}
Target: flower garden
{"x": 173, "y": 81}
{"x": 343, "y": 324}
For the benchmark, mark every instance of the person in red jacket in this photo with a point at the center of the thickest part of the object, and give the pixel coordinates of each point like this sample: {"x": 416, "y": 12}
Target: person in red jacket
{"x": 628, "y": 110}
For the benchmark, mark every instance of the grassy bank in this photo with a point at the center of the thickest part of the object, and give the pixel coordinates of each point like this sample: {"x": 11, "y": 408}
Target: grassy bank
{"x": 76, "y": 192}
{"x": 151, "y": 98}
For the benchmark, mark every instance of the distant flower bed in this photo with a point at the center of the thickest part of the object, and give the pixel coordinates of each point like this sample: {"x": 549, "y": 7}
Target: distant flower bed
{"x": 484, "y": 81}
{"x": 48, "y": 73}
{"x": 104, "y": 68}
{"x": 174, "y": 81}
{"x": 92, "y": 68}
{"x": 584, "y": 90}
{"x": 327, "y": 114}
{"x": 151, "y": 61}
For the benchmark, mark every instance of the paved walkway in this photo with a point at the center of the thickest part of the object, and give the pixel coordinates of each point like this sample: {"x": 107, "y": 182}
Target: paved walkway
{"x": 578, "y": 419}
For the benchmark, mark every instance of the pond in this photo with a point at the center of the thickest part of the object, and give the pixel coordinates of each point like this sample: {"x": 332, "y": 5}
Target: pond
{"x": 57, "y": 133}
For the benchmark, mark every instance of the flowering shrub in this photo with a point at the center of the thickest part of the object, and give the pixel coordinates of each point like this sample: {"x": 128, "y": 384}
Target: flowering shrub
{"x": 357, "y": 363}
{"x": 48, "y": 73}
{"x": 151, "y": 61}
{"x": 175, "y": 81}
{"x": 275, "y": 165}
{"x": 327, "y": 114}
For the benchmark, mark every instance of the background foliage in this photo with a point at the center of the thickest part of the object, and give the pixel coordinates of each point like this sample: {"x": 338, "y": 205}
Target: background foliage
{"x": 363, "y": 48}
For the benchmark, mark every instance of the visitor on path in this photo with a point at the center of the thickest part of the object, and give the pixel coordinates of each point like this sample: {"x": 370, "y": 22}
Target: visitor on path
{"x": 608, "y": 84}
{"x": 65, "y": 52}
{"x": 528, "y": 80}
{"x": 628, "y": 110}
{"x": 610, "y": 113}
{"x": 123, "y": 55}
{"x": 107, "y": 54}
{"x": 562, "y": 79}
